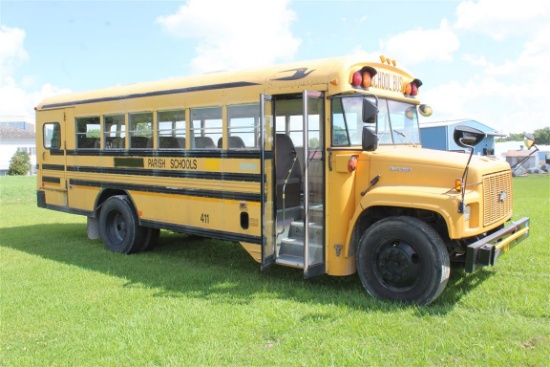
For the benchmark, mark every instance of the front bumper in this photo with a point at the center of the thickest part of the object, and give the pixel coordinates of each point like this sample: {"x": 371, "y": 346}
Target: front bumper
{"x": 486, "y": 251}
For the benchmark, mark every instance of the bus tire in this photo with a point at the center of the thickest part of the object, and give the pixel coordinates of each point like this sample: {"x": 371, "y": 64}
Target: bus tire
{"x": 403, "y": 259}
{"x": 119, "y": 226}
{"x": 150, "y": 238}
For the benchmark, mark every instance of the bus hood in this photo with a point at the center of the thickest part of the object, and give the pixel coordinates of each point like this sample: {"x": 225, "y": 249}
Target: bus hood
{"x": 403, "y": 165}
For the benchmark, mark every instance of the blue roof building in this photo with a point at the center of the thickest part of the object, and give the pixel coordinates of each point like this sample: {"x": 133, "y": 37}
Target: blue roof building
{"x": 439, "y": 135}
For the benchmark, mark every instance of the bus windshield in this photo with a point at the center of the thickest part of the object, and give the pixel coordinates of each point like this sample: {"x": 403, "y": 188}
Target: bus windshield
{"x": 397, "y": 122}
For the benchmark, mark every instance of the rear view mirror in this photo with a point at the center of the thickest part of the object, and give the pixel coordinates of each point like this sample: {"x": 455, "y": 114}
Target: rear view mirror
{"x": 467, "y": 137}
{"x": 425, "y": 110}
{"x": 370, "y": 111}
{"x": 529, "y": 140}
{"x": 369, "y": 139}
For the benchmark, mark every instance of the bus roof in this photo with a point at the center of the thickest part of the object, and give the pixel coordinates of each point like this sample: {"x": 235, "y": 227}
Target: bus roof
{"x": 335, "y": 73}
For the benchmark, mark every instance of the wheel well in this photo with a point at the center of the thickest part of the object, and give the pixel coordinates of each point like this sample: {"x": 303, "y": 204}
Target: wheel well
{"x": 374, "y": 214}
{"x": 103, "y": 196}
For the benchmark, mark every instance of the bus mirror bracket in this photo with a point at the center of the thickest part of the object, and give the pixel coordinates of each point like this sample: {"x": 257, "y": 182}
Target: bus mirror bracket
{"x": 466, "y": 137}
{"x": 369, "y": 139}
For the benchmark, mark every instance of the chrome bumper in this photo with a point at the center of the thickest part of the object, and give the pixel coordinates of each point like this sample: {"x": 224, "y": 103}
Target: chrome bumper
{"x": 486, "y": 251}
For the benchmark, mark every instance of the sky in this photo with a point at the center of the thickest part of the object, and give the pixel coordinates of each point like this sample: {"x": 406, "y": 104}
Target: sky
{"x": 487, "y": 60}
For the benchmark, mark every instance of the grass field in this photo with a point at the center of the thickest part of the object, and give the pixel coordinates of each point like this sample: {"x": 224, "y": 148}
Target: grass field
{"x": 66, "y": 301}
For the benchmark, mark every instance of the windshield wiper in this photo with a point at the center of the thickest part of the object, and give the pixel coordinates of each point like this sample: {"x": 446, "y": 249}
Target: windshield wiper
{"x": 405, "y": 136}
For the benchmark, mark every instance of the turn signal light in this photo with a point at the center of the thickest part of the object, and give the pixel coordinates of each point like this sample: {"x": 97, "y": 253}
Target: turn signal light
{"x": 458, "y": 184}
{"x": 352, "y": 163}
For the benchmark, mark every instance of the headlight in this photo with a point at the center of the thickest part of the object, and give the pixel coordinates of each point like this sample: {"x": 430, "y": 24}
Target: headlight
{"x": 467, "y": 212}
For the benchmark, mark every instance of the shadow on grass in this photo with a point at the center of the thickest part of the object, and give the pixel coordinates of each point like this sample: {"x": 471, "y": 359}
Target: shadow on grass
{"x": 220, "y": 271}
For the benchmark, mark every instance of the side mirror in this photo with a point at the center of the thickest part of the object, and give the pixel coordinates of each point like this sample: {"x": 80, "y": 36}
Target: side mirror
{"x": 529, "y": 140}
{"x": 467, "y": 137}
{"x": 370, "y": 111}
{"x": 369, "y": 140}
{"x": 425, "y": 110}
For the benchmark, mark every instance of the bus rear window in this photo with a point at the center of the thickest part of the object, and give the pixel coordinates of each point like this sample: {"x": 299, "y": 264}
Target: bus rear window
{"x": 52, "y": 135}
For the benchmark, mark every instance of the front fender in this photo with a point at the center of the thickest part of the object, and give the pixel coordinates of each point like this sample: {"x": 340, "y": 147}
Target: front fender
{"x": 425, "y": 198}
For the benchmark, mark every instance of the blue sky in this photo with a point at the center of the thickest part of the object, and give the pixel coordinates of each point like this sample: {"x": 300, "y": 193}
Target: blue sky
{"x": 487, "y": 59}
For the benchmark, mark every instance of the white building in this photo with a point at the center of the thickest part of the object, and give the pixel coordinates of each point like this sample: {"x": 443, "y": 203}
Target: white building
{"x": 13, "y": 139}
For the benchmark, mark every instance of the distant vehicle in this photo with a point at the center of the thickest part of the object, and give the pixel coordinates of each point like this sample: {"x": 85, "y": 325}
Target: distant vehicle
{"x": 316, "y": 165}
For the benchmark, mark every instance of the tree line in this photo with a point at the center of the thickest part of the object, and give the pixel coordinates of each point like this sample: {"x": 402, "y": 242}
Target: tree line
{"x": 542, "y": 136}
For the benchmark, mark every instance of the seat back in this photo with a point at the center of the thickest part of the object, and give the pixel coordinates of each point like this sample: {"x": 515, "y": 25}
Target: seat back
{"x": 285, "y": 157}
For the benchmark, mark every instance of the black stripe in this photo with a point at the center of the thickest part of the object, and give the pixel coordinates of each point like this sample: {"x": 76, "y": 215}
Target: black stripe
{"x": 66, "y": 209}
{"x": 51, "y": 179}
{"x": 167, "y": 173}
{"x": 246, "y": 154}
{"x": 53, "y": 167}
{"x": 237, "y": 237}
{"x": 155, "y": 93}
{"x": 244, "y": 196}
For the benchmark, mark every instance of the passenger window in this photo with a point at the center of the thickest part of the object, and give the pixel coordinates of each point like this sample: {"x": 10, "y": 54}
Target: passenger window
{"x": 141, "y": 129}
{"x": 114, "y": 132}
{"x": 52, "y": 135}
{"x": 88, "y": 132}
{"x": 243, "y": 127}
{"x": 171, "y": 129}
{"x": 206, "y": 127}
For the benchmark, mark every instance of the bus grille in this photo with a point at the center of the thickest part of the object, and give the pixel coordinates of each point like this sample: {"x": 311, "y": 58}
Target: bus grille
{"x": 497, "y": 194}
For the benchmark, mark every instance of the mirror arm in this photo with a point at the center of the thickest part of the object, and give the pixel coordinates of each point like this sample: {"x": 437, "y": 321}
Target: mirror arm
{"x": 465, "y": 178}
{"x": 525, "y": 158}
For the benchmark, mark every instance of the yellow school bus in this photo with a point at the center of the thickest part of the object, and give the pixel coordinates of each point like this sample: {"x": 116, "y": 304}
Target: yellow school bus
{"x": 315, "y": 165}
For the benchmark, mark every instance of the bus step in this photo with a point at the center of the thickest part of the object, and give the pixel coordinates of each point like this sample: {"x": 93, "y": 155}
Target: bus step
{"x": 297, "y": 231}
{"x": 290, "y": 260}
{"x": 294, "y": 247}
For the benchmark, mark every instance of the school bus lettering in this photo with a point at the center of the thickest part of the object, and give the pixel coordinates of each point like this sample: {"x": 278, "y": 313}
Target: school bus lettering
{"x": 388, "y": 81}
{"x": 185, "y": 163}
{"x": 156, "y": 163}
{"x": 205, "y": 218}
{"x": 315, "y": 165}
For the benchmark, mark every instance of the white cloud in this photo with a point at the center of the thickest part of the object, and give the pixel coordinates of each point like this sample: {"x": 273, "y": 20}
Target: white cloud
{"x": 11, "y": 49}
{"x": 234, "y": 34}
{"x": 502, "y": 18}
{"x": 418, "y": 45}
{"x": 16, "y": 98}
{"x": 510, "y": 95}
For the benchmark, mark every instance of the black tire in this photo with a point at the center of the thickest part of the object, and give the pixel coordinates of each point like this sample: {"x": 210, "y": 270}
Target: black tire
{"x": 119, "y": 226}
{"x": 150, "y": 238}
{"x": 403, "y": 259}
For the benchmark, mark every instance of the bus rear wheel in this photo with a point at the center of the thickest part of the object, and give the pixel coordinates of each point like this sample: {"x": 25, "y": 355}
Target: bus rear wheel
{"x": 150, "y": 238}
{"x": 403, "y": 259}
{"x": 119, "y": 227}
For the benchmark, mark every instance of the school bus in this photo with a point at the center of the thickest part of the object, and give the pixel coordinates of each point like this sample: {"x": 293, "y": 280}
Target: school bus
{"x": 315, "y": 165}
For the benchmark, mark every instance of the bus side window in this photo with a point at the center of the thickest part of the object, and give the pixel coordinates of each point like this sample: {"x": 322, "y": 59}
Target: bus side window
{"x": 114, "y": 132}
{"x": 243, "y": 126}
{"x": 206, "y": 127}
{"x": 88, "y": 132}
{"x": 140, "y": 130}
{"x": 171, "y": 129}
{"x": 52, "y": 135}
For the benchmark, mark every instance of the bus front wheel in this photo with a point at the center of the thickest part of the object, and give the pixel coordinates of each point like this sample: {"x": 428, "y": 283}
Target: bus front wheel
{"x": 403, "y": 259}
{"x": 119, "y": 227}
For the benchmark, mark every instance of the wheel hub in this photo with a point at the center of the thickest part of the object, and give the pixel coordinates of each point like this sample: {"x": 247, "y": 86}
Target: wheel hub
{"x": 399, "y": 264}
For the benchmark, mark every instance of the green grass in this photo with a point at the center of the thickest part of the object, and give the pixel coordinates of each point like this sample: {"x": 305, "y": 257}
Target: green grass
{"x": 66, "y": 301}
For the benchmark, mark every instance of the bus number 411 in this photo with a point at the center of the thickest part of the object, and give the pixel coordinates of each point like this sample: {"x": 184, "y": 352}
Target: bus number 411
{"x": 205, "y": 218}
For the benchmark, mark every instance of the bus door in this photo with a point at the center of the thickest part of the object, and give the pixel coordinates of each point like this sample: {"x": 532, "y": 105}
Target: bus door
{"x": 267, "y": 182}
{"x": 299, "y": 181}
{"x": 51, "y": 154}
